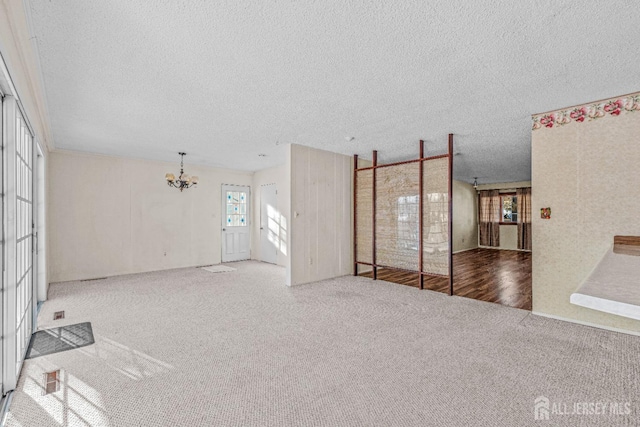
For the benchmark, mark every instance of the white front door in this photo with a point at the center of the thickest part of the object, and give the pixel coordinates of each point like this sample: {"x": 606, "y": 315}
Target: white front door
{"x": 269, "y": 225}
{"x": 235, "y": 223}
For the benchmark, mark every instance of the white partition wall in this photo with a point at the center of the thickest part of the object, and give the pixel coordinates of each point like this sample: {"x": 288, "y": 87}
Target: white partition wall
{"x": 2, "y": 259}
{"x": 319, "y": 230}
{"x": 18, "y": 285}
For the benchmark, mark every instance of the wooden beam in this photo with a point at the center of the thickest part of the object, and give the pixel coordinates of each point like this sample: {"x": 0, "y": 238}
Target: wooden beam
{"x": 420, "y": 213}
{"x": 404, "y": 162}
{"x": 355, "y": 215}
{"x": 373, "y": 249}
{"x": 450, "y": 214}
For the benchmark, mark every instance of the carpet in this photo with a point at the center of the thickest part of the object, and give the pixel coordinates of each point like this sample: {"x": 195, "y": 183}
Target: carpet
{"x": 173, "y": 350}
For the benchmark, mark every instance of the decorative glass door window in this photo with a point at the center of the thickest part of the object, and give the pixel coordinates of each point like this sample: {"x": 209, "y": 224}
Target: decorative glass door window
{"x": 236, "y": 208}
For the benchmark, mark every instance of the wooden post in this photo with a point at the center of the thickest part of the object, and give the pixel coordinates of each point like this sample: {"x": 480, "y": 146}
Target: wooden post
{"x": 355, "y": 215}
{"x": 450, "y": 214}
{"x": 373, "y": 251}
{"x": 420, "y": 213}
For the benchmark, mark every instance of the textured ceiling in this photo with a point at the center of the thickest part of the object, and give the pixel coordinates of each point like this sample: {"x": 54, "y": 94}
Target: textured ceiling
{"x": 228, "y": 80}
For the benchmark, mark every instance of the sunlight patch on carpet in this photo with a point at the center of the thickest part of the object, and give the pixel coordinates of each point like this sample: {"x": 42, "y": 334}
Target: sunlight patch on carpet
{"x": 219, "y": 268}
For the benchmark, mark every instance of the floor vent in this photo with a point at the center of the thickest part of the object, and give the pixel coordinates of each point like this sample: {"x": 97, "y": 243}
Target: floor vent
{"x": 52, "y": 382}
{"x": 58, "y": 315}
{"x": 91, "y": 280}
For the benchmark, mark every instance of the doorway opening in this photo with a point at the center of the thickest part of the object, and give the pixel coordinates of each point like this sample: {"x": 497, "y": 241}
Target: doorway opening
{"x": 492, "y": 242}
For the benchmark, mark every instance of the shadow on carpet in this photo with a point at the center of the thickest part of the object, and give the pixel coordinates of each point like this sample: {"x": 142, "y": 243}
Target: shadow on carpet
{"x": 64, "y": 338}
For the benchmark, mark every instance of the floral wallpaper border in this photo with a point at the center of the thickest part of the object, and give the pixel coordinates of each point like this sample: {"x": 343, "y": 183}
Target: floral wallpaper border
{"x": 588, "y": 112}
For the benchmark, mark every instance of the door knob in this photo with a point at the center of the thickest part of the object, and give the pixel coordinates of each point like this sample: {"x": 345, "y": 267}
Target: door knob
{"x": 224, "y": 229}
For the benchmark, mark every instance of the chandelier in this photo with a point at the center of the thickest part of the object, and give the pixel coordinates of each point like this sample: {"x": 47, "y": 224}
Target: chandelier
{"x": 184, "y": 180}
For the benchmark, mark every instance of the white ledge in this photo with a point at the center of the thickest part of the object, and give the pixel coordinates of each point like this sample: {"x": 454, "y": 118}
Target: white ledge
{"x": 613, "y": 287}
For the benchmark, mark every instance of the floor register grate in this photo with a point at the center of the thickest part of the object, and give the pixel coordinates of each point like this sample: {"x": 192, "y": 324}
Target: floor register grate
{"x": 52, "y": 382}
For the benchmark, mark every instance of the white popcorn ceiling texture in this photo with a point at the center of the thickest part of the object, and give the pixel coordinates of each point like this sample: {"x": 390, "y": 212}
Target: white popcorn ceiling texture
{"x": 227, "y": 80}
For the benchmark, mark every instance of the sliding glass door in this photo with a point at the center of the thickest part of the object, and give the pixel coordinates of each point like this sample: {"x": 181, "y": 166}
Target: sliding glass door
{"x": 24, "y": 237}
{"x": 17, "y": 281}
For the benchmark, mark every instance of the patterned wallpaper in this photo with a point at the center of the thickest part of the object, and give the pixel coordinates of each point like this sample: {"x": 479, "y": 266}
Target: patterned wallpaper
{"x": 586, "y": 171}
{"x": 609, "y": 108}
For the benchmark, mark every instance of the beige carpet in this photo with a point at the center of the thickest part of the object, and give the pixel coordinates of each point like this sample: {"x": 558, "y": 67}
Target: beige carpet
{"x": 190, "y": 348}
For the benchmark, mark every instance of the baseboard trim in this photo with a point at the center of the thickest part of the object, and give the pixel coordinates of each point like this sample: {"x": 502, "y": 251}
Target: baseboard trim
{"x": 502, "y": 249}
{"x": 465, "y": 250}
{"x": 4, "y": 409}
{"x": 593, "y": 325}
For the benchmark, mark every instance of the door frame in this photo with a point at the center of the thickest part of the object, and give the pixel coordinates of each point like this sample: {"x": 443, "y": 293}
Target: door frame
{"x": 223, "y": 218}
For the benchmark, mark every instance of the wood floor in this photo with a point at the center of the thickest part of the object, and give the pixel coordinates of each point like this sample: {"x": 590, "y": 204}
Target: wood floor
{"x": 492, "y": 275}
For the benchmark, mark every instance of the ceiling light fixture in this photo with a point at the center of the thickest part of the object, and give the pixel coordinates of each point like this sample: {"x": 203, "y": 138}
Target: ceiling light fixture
{"x": 184, "y": 180}
{"x": 475, "y": 182}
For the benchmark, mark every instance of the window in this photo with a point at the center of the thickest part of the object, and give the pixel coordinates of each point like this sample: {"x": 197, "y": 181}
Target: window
{"x": 236, "y": 208}
{"x": 509, "y": 203}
